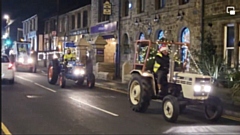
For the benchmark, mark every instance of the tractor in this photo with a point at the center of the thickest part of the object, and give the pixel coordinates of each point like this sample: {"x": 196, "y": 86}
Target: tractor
{"x": 182, "y": 88}
{"x": 59, "y": 71}
{"x": 25, "y": 57}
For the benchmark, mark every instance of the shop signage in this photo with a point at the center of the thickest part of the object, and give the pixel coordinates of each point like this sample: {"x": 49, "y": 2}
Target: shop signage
{"x": 78, "y": 32}
{"x": 107, "y": 8}
{"x": 69, "y": 44}
{"x": 107, "y": 27}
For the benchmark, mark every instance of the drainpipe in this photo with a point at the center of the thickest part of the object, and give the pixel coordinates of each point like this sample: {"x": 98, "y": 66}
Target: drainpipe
{"x": 202, "y": 23}
{"x": 118, "y": 52}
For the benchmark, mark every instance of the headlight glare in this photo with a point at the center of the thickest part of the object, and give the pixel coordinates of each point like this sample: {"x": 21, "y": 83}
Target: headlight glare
{"x": 21, "y": 60}
{"x": 78, "y": 72}
{"x": 197, "y": 88}
{"x": 30, "y": 60}
{"x": 207, "y": 88}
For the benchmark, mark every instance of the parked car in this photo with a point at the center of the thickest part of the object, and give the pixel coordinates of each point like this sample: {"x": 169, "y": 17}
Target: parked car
{"x": 8, "y": 71}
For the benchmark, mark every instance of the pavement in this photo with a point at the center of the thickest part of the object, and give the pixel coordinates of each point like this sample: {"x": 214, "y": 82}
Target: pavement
{"x": 33, "y": 106}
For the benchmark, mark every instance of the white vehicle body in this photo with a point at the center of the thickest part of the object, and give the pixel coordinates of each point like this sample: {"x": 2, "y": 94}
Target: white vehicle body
{"x": 8, "y": 72}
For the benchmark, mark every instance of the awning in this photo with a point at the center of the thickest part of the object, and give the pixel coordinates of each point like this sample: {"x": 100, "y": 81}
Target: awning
{"x": 108, "y": 36}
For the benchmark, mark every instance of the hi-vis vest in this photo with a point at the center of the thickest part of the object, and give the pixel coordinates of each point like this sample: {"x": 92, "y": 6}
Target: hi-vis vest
{"x": 69, "y": 56}
{"x": 156, "y": 65}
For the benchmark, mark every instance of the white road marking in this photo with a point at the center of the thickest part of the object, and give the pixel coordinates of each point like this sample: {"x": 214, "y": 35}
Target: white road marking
{"x": 32, "y": 96}
{"x": 24, "y": 79}
{"x": 105, "y": 111}
{"x": 45, "y": 87}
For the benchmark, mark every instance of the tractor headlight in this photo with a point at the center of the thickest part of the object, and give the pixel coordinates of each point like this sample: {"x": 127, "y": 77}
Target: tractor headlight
{"x": 78, "y": 72}
{"x": 207, "y": 88}
{"x": 30, "y": 60}
{"x": 197, "y": 88}
{"x": 21, "y": 60}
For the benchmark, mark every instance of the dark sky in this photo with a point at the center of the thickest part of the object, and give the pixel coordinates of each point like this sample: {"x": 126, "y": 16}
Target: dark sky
{"x": 23, "y": 9}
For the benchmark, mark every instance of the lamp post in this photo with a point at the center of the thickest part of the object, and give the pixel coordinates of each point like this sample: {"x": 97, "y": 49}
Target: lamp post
{"x": 7, "y": 18}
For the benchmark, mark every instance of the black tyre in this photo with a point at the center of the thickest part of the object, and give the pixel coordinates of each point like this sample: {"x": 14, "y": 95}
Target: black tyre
{"x": 53, "y": 72}
{"x": 213, "y": 109}
{"x": 80, "y": 81}
{"x": 33, "y": 69}
{"x": 62, "y": 81}
{"x": 91, "y": 80}
{"x": 170, "y": 108}
{"x": 11, "y": 81}
{"x": 139, "y": 93}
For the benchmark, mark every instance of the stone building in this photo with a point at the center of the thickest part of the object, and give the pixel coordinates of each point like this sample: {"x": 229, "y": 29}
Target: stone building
{"x": 180, "y": 20}
{"x": 225, "y": 28}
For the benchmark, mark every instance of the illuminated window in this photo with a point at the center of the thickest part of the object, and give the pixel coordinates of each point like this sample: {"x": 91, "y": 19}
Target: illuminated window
{"x": 141, "y": 36}
{"x": 185, "y": 35}
{"x": 229, "y": 44}
{"x": 160, "y": 34}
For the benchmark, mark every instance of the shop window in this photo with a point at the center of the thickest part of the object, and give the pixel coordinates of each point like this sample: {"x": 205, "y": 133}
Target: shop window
{"x": 182, "y": 2}
{"x": 126, "y": 8}
{"x": 160, "y": 34}
{"x": 73, "y": 21}
{"x": 229, "y": 44}
{"x": 79, "y": 20}
{"x": 159, "y": 4}
{"x": 85, "y": 18}
{"x": 185, "y": 35}
{"x": 101, "y": 17}
{"x": 141, "y": 36}
{"x": 140, "y": 6}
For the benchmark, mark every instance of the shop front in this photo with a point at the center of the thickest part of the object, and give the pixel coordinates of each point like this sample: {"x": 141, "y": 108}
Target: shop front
{"x": 106, "y": 32}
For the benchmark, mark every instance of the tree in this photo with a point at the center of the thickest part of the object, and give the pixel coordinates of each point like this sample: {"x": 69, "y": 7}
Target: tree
{"x": 209, "y": 62}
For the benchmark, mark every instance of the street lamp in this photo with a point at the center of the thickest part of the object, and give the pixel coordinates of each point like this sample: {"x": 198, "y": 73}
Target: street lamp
{"x": 6, "y": 17}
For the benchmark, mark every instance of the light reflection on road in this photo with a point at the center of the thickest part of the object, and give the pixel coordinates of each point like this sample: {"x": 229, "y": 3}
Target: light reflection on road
{"x": 201, "y": 130}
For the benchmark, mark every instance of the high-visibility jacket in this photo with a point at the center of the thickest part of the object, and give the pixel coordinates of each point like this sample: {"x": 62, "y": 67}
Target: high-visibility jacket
{"x": 69, "y": 57}
{"x": 157, "y": 65}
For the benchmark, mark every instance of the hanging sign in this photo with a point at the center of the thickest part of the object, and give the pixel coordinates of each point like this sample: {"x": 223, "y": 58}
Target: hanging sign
{"x": 107, "y": 8}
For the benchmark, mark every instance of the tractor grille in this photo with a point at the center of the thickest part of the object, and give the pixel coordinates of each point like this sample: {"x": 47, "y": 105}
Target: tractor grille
{"x": 203, "y": 80}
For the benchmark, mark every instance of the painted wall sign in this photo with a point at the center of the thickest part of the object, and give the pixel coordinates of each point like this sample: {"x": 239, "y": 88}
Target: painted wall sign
{"x": 107, "y": 27}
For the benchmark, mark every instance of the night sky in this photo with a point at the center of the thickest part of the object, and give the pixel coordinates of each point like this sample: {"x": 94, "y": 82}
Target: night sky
{"x": 20, "y": 10}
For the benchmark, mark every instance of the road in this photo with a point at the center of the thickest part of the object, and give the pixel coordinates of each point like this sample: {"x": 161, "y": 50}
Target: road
{"x": 32, "y": 106}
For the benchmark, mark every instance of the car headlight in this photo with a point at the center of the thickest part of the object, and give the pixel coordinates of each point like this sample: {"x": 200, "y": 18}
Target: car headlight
{"x": 207, "y": 88}
{"x": 55, "y": 56}
{"x": 30, "y": 60}
{"x": 78, "y": 72}
{"x": 197, "y": 88}
{"x": 21, "y": 60}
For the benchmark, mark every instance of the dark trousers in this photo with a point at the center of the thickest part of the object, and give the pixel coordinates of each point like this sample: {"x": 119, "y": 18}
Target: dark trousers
{"x": 162, "y": 77}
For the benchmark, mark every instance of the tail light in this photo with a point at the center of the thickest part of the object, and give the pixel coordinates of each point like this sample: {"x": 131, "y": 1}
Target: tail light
{"x": 10, "y": 66}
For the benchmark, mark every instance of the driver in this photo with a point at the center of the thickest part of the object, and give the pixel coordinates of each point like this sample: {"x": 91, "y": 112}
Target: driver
{"x": 161, "y": 66}
{"x": 69, "y": 56}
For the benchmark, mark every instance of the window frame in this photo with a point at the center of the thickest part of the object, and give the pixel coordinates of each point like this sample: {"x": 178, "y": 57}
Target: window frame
{"x": 183, "y": 2}
{"x": 85, "y": 20}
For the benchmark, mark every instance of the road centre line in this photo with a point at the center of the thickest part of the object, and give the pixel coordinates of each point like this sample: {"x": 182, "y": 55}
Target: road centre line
{"x": 5, "y": 129}
{"x": 24, "y": 79}
{"x": 45, "y": 87}
{"x": 97, "y": 108}
{"x": 36, "y": 84}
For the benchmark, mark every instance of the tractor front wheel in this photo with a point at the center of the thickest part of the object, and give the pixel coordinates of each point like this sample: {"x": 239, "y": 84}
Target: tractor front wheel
{"x": 139, "y": 93}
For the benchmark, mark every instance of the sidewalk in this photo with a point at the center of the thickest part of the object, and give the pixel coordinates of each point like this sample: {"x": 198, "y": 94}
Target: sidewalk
{"x": 222, "y": 93}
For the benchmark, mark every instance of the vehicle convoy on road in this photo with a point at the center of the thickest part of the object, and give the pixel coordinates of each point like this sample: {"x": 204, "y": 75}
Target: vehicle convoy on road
{"x": 182, "y": 89}
{"x": 59, "y": 70}
{"x": 7, "y": 71}
{"x": 25, "y": 58}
